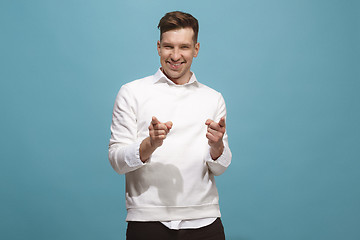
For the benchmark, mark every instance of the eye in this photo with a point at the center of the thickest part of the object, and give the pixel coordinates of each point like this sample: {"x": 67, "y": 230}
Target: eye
{"x": 185, "y": 47}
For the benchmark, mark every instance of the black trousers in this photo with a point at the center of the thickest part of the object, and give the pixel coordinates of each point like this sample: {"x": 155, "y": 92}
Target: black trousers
{"x": 157, "y": 231}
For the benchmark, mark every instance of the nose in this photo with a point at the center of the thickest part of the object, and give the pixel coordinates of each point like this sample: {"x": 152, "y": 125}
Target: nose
{"x": 175, "y": 55}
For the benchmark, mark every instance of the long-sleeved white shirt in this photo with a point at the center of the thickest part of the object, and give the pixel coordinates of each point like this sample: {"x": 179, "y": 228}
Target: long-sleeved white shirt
{"x": 177, "y": 182}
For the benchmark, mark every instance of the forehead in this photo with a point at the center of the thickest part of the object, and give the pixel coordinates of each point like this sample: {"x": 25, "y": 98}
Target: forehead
{"x": 181, "y": 35}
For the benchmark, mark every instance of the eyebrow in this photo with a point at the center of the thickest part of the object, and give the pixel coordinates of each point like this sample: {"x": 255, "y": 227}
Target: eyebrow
{"x": 182, "y": 44}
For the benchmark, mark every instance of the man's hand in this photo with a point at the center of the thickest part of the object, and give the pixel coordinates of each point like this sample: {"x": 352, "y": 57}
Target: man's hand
{"x": 157, "y": 133}
{"x": 215, "y": 133}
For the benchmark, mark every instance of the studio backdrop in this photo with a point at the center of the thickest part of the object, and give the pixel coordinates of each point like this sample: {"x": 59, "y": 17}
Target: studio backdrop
{"x": 288, "y": 70}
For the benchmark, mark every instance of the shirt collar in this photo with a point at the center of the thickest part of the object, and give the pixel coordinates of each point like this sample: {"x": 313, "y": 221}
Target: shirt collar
{"x": 159, "y": 76}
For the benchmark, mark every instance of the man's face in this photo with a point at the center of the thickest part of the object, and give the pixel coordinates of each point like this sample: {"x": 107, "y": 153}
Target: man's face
{"x": 177, "y": 50}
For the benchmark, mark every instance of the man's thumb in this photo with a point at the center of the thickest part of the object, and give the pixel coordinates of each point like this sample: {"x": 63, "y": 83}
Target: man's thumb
{"x": 169, "y": 124}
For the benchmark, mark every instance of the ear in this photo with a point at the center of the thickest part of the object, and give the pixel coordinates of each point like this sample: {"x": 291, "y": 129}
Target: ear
{"x": 197, "y": 48}
{"x": 158, "y": 47}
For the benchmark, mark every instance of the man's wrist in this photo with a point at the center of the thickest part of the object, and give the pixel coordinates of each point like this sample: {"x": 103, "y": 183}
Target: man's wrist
{"x": 216, "y": 152}
{"x": 146, "y": 149}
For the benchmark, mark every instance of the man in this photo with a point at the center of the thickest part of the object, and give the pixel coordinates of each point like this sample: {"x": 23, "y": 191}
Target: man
{"x": 168, "y": 136}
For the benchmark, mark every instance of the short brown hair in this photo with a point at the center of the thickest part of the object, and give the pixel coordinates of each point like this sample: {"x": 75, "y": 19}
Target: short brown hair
{"x": 177, "y": 20}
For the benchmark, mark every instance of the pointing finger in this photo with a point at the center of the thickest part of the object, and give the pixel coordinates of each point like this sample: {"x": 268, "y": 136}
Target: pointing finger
{"x": 154, "y": 121}
{"x": 208, "y": 122}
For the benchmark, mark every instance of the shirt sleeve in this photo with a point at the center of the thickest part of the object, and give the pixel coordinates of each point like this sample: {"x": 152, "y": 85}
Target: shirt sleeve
{"x": 218, "y": 166}
{"x": 124, "y": 146}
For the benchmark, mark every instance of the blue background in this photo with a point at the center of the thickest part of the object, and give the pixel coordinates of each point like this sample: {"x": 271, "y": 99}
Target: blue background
{"x": 289, "y": 72}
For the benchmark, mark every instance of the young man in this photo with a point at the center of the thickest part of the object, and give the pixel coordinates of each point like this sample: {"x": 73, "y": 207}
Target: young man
{"x": 168, "y": 136}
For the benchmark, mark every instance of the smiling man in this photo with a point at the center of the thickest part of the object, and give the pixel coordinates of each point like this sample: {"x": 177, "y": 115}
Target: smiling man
{"x": 168, "y": 136}
{"x": 177, "y": 49}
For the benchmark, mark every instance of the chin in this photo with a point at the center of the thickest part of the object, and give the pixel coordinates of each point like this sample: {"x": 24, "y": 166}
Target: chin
{"x": 171, "y": 74}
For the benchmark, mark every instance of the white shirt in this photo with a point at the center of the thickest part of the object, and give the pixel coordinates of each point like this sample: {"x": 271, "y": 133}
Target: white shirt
{"x": 189, "y": 224}
{"x": 176, "y": 185}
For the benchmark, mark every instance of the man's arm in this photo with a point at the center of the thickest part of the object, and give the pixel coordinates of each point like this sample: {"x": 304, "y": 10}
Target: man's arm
{"x": 124, "y": 145}
{"x": 126, "y": 152}
{"x": 219, "y": 157}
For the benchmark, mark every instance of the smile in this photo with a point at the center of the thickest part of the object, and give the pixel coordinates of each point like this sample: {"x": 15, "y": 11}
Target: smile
{"x": 175, "y": 65}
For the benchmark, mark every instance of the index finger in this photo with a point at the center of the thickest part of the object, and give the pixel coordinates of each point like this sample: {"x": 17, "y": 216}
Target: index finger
{"x": 154, "y": 121}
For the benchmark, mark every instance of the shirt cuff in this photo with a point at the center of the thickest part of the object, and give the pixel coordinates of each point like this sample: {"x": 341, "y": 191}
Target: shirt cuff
{"x": 219, "y": 165}
{"x": 132, "y": 155}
